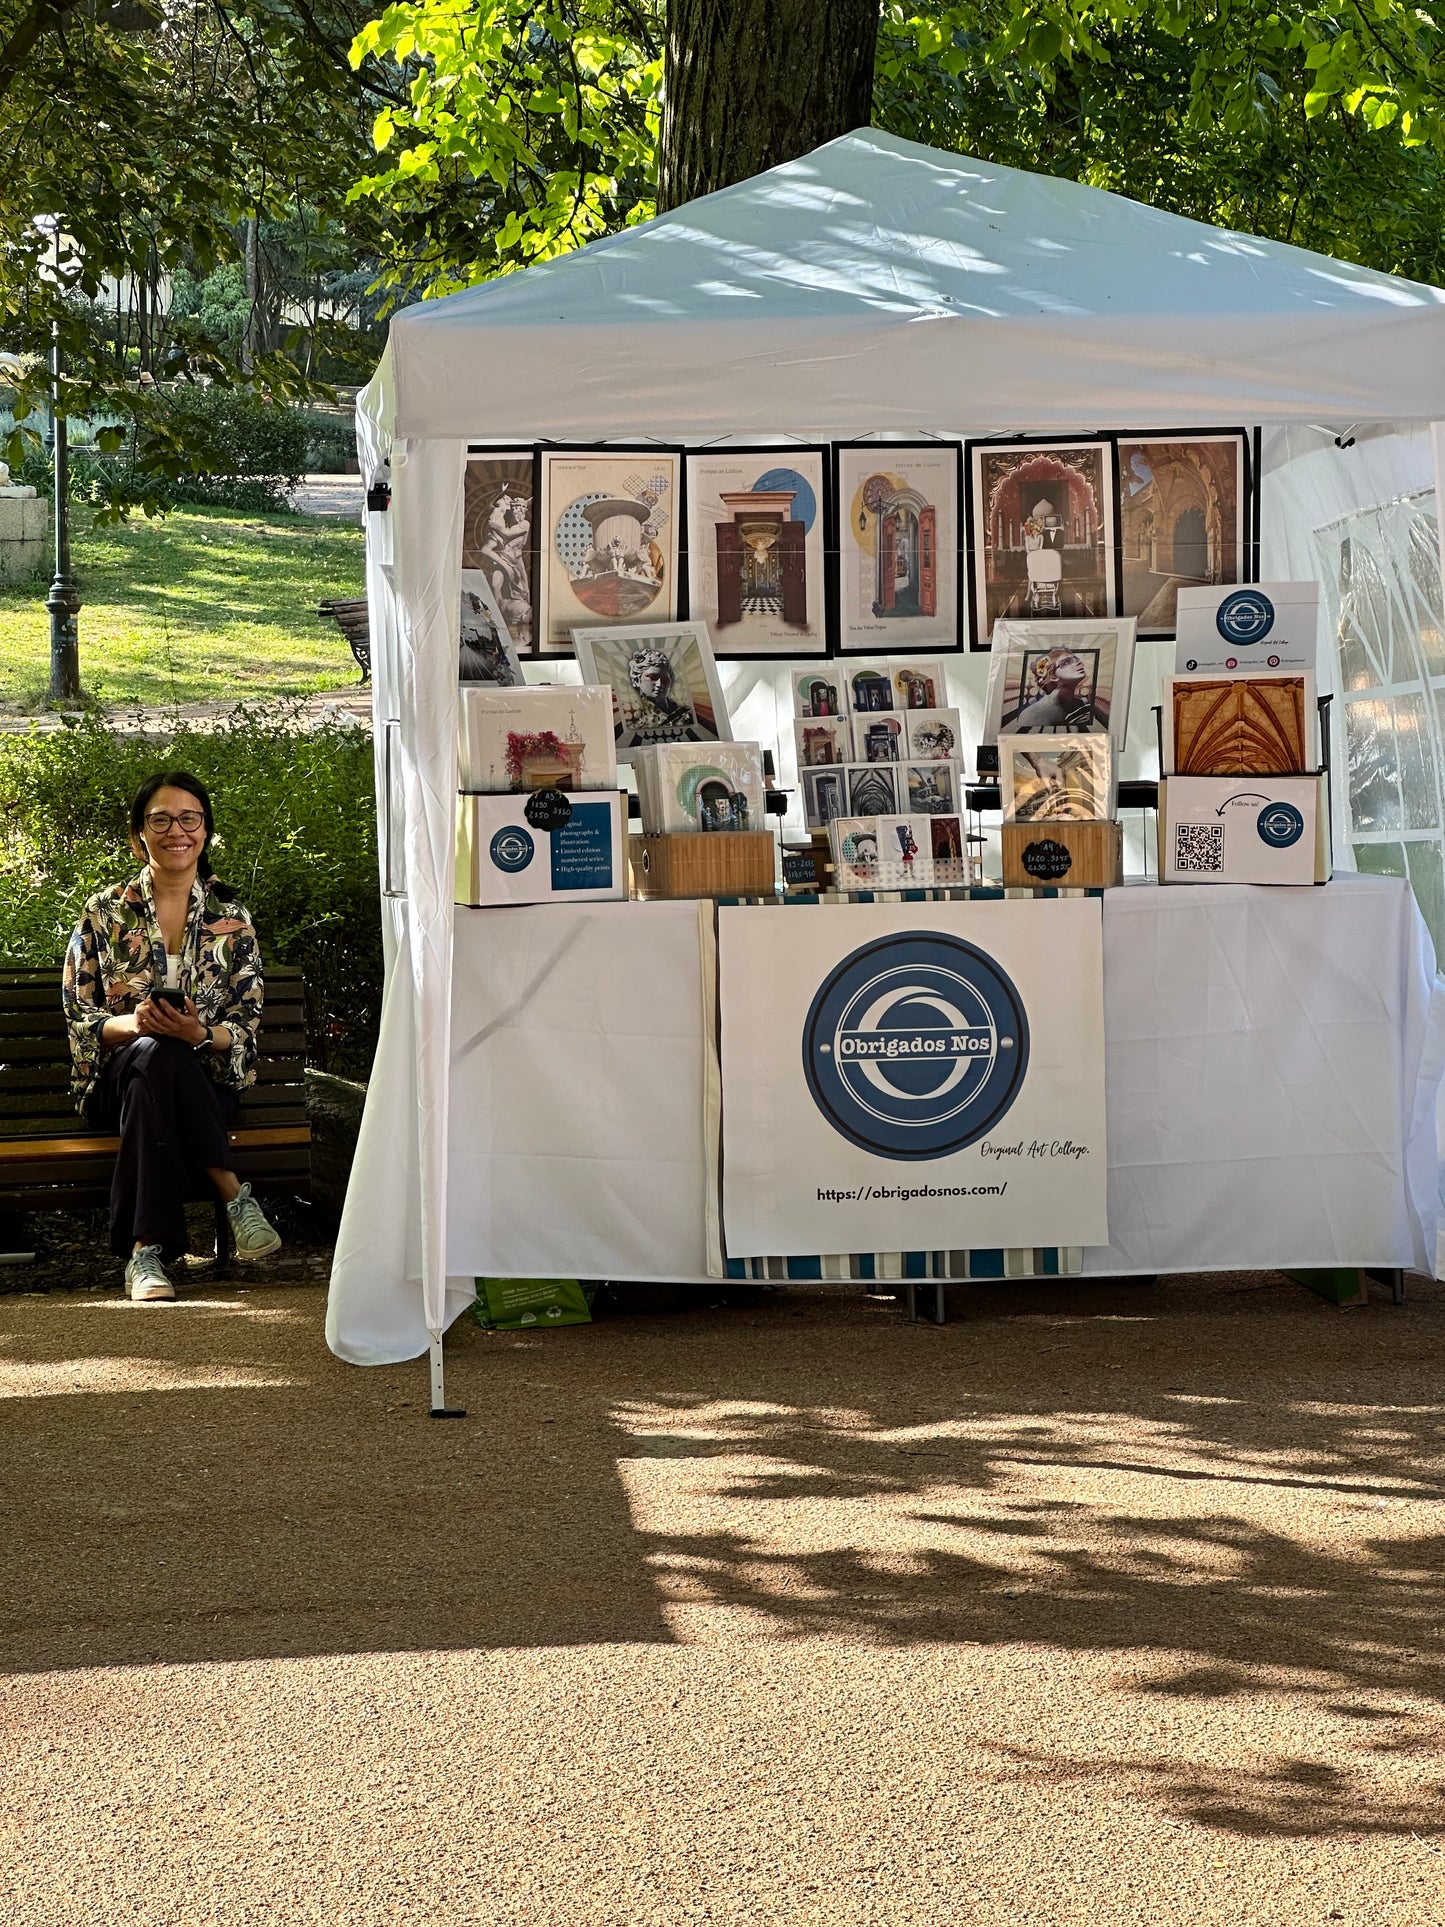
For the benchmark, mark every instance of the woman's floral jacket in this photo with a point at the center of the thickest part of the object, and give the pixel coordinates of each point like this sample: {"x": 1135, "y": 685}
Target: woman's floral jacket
{"x": 117, "y": 956}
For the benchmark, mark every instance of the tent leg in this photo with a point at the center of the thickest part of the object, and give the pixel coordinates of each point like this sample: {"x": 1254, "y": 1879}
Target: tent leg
{"x": 439, "y": 1406}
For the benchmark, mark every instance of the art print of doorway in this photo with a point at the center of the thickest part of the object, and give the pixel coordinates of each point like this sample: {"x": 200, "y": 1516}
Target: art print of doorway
{"x": 756, "y": 549}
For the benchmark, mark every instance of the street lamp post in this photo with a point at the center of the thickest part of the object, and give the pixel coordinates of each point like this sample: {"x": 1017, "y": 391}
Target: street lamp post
{"x": 63, "y": 601}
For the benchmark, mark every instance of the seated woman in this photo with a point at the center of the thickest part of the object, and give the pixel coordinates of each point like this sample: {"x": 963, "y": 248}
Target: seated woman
{"x": 163, "y": 999}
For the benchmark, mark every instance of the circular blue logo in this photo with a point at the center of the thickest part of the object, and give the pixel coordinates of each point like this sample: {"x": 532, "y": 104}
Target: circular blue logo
{"x": 512, "y": 848}
{"x": 1279, "y": 825}
{"x": 915, "y": 1045}
{"x": 1245, "y": 617}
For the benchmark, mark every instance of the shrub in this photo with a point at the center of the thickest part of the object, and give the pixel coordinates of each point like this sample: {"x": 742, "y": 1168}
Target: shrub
{"x": 296, "y": 838}
{"x": 331, "y": 442}
{"x": 254, "y": 451}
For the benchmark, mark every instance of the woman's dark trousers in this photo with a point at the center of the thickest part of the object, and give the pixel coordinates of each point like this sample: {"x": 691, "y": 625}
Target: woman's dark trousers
{"x": 172, "y": 1118}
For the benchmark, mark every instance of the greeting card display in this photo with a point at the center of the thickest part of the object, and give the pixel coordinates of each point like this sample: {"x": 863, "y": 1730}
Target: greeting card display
{"x": 853, "y": 841}
{"x": 820, "y": 692}
{"x": 873, "y": 789}
{"x": 756, "y": 549}
{"x": 823, "y": 741}
{"x": 1060, "y": 678}
{"x": 825, "y": 796}
{"x": 608, "y": 540}
{"x": 931, "y": 789}
{"x": 1240, "y": 725}
{"x": 878, "y": 739}
{"x": 870, "y": 689}
{"x": 934, "y": 735}
{"x": 663, "y": 681}
{"x": 917, "y": 684}
{"x": 1062, "y": 780}
{"x": 549, "y": 736}
{"x": 882, "y": 853}
{"x": 498, "y": 489}
{"x": 898, "y": 545}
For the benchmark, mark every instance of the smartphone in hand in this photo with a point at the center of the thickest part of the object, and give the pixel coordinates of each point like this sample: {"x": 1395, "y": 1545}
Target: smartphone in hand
{"x": 175, "y": 998}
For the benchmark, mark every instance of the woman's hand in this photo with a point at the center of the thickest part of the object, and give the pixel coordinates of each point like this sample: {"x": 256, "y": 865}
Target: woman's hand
{"x": 156, "y": 1018}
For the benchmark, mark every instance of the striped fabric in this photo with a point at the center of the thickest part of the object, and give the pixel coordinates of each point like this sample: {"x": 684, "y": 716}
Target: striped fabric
{"x": 1039, "y": 1261}
{"x": 888, "y": 1267}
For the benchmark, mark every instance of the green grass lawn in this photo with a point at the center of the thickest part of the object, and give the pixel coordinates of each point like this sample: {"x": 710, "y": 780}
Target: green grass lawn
{"x": 203, "y": 605}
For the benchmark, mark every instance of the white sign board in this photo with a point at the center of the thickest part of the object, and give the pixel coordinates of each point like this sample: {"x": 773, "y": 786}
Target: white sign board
{"x": 1240, "y": 829}
{"x": 1264, "y": 625}
{"x": 906, "y": 1077}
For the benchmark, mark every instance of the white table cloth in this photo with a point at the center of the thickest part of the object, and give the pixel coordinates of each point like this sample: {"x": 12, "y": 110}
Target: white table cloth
{"x": 1274, "y": 1061}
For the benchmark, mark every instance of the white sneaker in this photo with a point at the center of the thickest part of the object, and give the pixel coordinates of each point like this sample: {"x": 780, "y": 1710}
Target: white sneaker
{"x": 145, "y": 1277}
{"x": 255, "y": 1236}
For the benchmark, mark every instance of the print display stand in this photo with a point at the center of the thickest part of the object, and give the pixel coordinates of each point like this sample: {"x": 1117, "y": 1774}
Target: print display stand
{"x": 1075, "y": 856}
{"x": 718, "y": 863}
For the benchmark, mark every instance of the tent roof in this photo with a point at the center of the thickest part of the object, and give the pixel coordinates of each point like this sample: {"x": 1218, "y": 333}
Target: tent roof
{"x": 876, "y": 285}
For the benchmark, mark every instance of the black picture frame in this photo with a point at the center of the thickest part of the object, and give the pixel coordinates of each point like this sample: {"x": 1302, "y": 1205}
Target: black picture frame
{"x": 980, "y": 630}
{"x": 1249, "y": 506}
{"x": 501, "y": 451}
{"x": 638, "y": 451}
{"x": 786, "y": 650}
{"x": 884, "y": 645}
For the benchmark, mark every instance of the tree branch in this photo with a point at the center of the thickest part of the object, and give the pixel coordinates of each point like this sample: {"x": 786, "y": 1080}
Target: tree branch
{"x": 42, "y": 17}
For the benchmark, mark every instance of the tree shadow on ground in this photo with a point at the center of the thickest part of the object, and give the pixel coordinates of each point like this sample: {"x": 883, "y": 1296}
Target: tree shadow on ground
{"x": 1243, "y": 1498}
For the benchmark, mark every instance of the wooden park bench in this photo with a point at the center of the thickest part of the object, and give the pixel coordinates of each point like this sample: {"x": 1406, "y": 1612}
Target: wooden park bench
{"x": 353, "y": 619}
{"x": 51, "y": 1159}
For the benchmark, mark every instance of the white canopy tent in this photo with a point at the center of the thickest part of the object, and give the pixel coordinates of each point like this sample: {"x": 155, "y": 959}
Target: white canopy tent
{"x": 873, "y": 287}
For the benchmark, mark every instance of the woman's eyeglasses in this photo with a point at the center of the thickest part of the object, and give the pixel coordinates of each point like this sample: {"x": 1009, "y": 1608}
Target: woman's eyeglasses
{"x": 162, "y": 820}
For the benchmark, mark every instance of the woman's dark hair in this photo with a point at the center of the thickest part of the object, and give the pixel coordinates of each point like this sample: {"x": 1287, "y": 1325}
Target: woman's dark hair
{"x": 177, "y": 779}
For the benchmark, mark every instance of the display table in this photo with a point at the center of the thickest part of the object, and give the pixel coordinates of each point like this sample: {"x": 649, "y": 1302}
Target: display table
{"x": 1274, "y": 1059}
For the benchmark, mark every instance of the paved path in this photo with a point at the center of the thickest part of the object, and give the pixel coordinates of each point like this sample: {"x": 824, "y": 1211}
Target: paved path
{"x": 1115, "y": 1605}
{"x": 338, "y": 495}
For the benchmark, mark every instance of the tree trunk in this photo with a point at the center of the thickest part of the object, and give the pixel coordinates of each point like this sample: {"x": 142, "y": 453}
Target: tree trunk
{"x": 751, "y": 83}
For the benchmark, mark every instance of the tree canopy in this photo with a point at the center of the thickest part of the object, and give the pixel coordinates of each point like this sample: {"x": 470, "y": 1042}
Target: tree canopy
{"x": 527, "y": 128}
{"x": 142, "y": 147}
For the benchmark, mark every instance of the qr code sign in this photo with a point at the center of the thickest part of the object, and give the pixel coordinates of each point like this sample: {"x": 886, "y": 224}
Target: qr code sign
{"x": 1198, "y": 846}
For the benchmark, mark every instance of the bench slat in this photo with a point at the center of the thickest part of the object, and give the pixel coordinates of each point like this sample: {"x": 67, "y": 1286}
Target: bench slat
{"x": 45, "y": 1018}
{"x": 55, "y": 1149}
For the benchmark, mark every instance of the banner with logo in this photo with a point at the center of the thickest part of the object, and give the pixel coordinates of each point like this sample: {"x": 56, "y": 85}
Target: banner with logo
{"x": 912, "y": 1077}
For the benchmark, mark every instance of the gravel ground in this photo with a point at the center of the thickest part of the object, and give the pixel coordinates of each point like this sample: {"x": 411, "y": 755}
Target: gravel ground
{"x": 1109, "y": 1603}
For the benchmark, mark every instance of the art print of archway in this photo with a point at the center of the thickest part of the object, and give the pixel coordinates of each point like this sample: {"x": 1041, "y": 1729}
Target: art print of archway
{"x": 1054, "y": 505}
{"x": 903, "y": 548}
{"x": 1182, "y": 522}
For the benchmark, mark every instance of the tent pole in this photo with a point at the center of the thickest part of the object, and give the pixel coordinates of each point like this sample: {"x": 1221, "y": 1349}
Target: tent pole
{"x": 439, "y": 1406}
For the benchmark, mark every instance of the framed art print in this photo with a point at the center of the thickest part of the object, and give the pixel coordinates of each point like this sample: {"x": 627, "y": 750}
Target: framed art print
{"x": 898, "y": 523}
{"x": 1186, "y": 515}
{"x": 607, "y": 544}
{"x": 498, "y": 497}
{"x": 757, "y": 550}
{"x": 663, "y": 681}
{"x": 1041, "y": 531}
{"x": 1060, "y": 678}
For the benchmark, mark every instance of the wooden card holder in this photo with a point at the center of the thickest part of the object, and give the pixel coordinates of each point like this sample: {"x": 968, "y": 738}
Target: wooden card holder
{"x": 704, "y": 863}
{"x": 1062, "y": 856}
